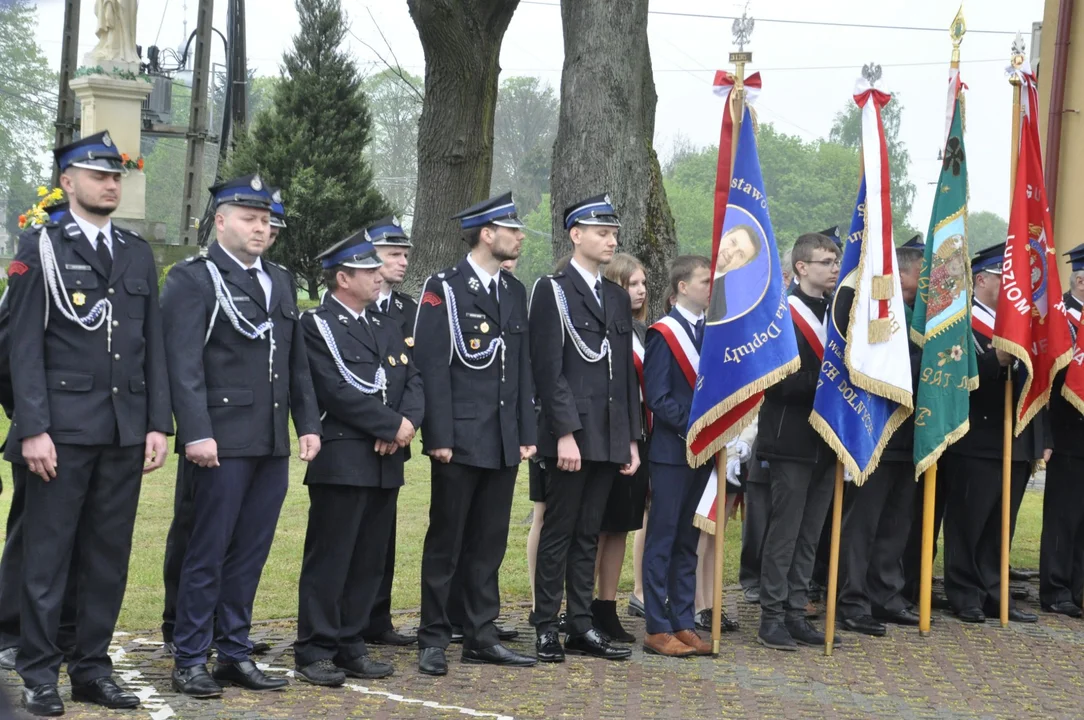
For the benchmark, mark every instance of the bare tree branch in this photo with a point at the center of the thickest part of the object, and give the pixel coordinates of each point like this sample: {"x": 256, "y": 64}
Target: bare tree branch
{"x": 396, "y": 68}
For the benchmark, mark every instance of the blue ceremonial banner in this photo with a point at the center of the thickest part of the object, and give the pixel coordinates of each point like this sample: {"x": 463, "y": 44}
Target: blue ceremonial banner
{"x": 749, "y": 340}
{"x": 857, "y": 424}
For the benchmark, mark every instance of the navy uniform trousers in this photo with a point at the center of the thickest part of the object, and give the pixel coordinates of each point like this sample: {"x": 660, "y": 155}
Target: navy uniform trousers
{"x": 670, "y": 546}
{"x": 239, "y": 499}
{"x": 1061, "y": 555}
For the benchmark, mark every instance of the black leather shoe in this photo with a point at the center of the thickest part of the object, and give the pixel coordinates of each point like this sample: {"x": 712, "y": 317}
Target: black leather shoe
{"x": 907, "y": 616}
{"x": 548, "y": 647}
{"x": 751, "y": 595}
{"x": 431, "y": 661}
{"x": 1062, "y": 608}
{"x": 391, "y": 637}
{"x": 195, "y": 682}
{"x": 260, "y": 648}
{"x": 498, "y": 655}
{"x": 457, "y": 634}
{"x": 971, "y": 615}
{"x": 506, "y": 633}
{"x": 1022, "y": 575}
{"x": 43, "y": 700}
{"x": 864, "y": 624}
{"x": 1021, "y": 616}
{"x": 245, "y": 674}
{"x": 323, "y": 673}
{"x": 804, "y": 633}
{"x": 1018, "y": 591}
{"x": 365, "y": 667}
{"x": 593, "y": 644}
{"x": 636, "y": 607}
{"x": 7, "y": 658}
{"x": 703, "y": 622}
{"x": 775, "y": 636}
{"x": 604, "y": 619}
{"x": 105, "y": 692}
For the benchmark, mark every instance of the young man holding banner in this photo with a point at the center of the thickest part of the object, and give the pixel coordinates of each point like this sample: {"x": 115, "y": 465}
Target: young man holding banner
{"x": 800, "y": 462}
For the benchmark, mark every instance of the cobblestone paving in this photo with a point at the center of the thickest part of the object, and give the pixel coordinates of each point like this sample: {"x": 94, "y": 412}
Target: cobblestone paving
{"x": 960, "y": 671}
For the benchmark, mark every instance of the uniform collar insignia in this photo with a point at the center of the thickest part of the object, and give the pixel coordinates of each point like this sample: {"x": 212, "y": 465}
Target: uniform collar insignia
{"x": 398, "y": 303}
{"x": 474, "y": 283}
{"x": 344, "y": 320}
{"x": 504, "y": 283}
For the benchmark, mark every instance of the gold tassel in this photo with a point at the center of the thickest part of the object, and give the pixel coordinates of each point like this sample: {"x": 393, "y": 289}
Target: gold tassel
{"x": 881, "y": 287}
{"x": 880, "y": 330}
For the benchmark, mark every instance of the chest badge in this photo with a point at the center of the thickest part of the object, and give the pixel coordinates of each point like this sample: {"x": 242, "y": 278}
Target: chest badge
{"x": 403, "y": 358}
{"x": 79, "y": 299}
{"x": 409, "y": 341}
{"x": 484, "y": 327}
{"x": 475, "y": 344}
{"x": 391, "y": 360}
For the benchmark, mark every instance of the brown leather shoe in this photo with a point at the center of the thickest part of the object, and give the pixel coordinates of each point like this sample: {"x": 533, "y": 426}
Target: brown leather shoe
{"x": 666, "y": 644}
{"x": 690, "y": 638}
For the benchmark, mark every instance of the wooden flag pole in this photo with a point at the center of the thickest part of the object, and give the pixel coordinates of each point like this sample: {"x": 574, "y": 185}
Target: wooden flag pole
{"x": 1006, "y": 453}
{"x": 925, "y": 588}
{"x": 833, "y": 562}
{"x": 737, "y": 114}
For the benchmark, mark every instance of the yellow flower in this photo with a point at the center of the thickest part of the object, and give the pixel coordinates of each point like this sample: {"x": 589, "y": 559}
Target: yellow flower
{"x": 56, "y": 195}
{"x": 42, "y": 192}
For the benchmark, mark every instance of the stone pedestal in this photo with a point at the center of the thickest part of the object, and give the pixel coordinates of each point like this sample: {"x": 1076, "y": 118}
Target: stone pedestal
{"x": 113, "y": 104}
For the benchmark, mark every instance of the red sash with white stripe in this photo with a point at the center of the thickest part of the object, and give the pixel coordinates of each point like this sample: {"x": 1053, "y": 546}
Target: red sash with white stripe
{"x": 982, "y": 322}
{"x": 812, "y": 328}
{"x": 638, "y": 363}
{"x": 681, "y": 345}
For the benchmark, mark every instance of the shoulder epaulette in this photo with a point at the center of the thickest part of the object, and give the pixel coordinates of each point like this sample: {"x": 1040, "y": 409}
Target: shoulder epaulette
{"x": 130, "y": 233}
{"x": 402, "y": 295}
{"x": 317, "y": 309}
{"x": 195, "y": 258}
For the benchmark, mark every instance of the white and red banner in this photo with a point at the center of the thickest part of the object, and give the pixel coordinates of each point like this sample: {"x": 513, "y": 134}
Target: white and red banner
{"x": 1031, "y": 323}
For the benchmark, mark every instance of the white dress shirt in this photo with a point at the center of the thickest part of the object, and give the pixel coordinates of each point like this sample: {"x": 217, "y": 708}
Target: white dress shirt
{"x": 483, "y": 275}
{"x": 261, "y": 274}
{"x": 588, "y": 278}
{"x": 91, "y": 231}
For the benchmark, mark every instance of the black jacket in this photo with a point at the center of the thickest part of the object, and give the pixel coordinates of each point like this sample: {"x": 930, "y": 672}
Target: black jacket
{"x": 353, "y": 420}
{"x": 484, "y": 415}
{"x": 577, "y": 396}
{"x": 67, "y": 381}
{"x": 403, "y": 311}
{"x": 784, "y": 432}
{"x": 224, "y": 389}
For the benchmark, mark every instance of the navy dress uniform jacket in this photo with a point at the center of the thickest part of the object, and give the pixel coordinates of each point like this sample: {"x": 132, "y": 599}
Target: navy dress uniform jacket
{"x": 403, "y": 310}
{"x": 482, "y": 418}
{"x": 669, "y": 397}
{"x": 66, "y": 381}
{"x": 577, "y": 396}
{"x": 222, "y": 390}
{"x": 352, "y": 419}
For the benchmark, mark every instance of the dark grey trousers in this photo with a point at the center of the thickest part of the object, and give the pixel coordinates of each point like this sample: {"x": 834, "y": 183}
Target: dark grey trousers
{"x": 755, "y": 513}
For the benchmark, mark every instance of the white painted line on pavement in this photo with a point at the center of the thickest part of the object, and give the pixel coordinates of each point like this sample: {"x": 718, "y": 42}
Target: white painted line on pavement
{"x": 426, "y": 703}
{"x": 150, "y": 700}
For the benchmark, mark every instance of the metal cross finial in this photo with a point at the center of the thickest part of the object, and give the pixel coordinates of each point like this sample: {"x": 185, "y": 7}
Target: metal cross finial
{"x": 872, "y": 73}
{"x": 742, "y": 29}
{"x": 1018, "y": 51}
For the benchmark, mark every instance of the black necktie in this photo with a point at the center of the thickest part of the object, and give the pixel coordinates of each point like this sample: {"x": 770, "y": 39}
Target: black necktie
{"x": 698, "y": 332}
{"x": 598, "y": 292}
{"x": 255, "y": 275}
{"x": 493, "y": 292}
{"x": 385, "y": 305}
{"x": 104, "y": 257}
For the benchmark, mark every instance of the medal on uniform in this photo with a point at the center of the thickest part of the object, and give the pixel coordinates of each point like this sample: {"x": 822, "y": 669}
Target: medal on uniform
{"x": 484, "y": 327}
{"x": 391, "y": 360}
{"x": 79, "y": 298}
{"x": 403, "y": 358}
{"x": 475, "y": 344}
{"x": 409, "y": 342}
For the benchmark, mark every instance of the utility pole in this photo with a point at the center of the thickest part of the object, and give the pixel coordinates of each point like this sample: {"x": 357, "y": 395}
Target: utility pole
{"x": 65, "y": 106}
{"x": 197, "y": 124}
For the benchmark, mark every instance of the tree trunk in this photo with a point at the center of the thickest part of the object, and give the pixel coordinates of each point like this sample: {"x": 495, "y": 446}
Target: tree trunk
{"x": 462, "y": 44}
{"x": 604, "y": 136}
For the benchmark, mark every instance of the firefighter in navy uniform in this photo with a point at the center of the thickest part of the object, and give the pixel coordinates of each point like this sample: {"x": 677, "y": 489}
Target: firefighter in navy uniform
{"x": 370, "y": 394}
{"x": 581, "y": 354}
{"x": 1061, "y": 554}
{"x": 92, "y": 411}
{"x": 393, "y": 248}
{"x": 972, "y": 466}
{"x": 238, "y": 369}
{"x": 471, "y": 348}
{"x": 181, "y": 526}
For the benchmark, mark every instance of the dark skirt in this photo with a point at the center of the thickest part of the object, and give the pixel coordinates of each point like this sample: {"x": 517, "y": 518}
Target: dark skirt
{"x": 536, "y": 480}
{"x": 628, "y": 499}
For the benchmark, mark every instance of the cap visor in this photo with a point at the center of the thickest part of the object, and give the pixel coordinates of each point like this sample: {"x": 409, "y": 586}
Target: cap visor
{"x": 367, "y": 264}
{"x": 509, "y": 223}
{"x": 276, "y": 222}
{"x": 393, "y": 242}
{"x": 109, "y": 165}
{"x": 607, "y": 220}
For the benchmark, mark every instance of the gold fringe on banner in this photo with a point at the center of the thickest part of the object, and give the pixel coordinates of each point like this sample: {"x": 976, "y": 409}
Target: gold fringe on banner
{"x": 880, "y": 330}
{"x": 950, "y": 439}
{"x": 881, "y": 287}
{"x": 1024, "y": 415}
{"x": 1073, "y": 399}
{"x": 703, "y": 523}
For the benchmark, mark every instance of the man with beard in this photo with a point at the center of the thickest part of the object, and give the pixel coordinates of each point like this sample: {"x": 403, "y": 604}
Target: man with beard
{"x": 479, "y": 425}
{"x": 91, "y": 414}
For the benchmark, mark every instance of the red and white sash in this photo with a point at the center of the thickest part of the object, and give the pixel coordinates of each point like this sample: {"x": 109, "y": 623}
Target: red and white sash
{"x": 681, "y": 345}
{"x": 638, "y": 362}
{"x": 812, "y": 328}
{"x": 982, "y": 321}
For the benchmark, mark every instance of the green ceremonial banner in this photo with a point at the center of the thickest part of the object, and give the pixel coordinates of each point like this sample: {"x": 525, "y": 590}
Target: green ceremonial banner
{"x": 941, "y": 322}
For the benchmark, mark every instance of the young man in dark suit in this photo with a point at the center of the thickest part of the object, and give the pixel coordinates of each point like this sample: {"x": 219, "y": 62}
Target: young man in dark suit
{"x": 370, "y": 395}
{"x": 586, "y": 383}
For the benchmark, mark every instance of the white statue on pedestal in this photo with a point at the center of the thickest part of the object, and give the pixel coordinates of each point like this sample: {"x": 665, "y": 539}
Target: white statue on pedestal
{"x": 116, "y": 33}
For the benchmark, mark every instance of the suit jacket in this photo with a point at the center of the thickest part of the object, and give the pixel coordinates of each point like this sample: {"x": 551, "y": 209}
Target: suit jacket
{"x": 222, "y": 389}
{"x": 403, "y": 311}
{"x": 783, "y": 431}
{"x": 484, "y": 416}
{"x": 67, "y": 381}
{"x": 578, "y": 397}
{"x": 669, "y": 396}
{"x": 352, "y": 419}
{"x": 986, "y": 414}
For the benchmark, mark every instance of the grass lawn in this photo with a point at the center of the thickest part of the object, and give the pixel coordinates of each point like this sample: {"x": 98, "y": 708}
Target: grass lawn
{"x": 277, "y": 596}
